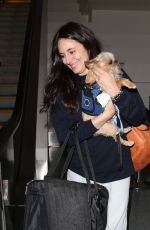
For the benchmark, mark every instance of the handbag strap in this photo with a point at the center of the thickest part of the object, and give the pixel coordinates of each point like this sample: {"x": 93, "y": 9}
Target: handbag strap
{"x": 90, "y": 163}
{"x": 72, "y": 131}
{"x": 120, "y": 159}
{"x": 84, "y": 168}
{"x": 54, "y": 166}
{"x": 55, "y": 163}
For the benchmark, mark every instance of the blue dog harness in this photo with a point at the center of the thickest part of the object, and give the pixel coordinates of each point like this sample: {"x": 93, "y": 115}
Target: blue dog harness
{"x": 89, "y": 104}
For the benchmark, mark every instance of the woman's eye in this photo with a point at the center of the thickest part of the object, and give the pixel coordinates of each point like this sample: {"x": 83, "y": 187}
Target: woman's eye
{"x": 72, "y": 52}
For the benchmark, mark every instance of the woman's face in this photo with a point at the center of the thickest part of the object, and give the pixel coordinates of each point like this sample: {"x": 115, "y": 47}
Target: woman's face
{"x": 73, "y": 55}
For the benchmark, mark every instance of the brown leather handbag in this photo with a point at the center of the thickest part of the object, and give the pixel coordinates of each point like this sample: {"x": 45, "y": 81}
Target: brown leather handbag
{"x": 140, "y": 152}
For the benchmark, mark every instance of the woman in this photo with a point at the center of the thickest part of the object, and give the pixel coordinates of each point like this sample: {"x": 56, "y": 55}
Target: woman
{"x": 72, "y": 45}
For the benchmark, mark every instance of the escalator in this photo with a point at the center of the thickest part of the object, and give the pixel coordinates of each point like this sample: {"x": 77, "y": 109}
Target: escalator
{"x": 20, "y": 27}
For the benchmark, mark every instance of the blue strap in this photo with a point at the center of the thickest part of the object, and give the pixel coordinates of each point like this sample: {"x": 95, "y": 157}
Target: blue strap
{"x": 89, "y": 104}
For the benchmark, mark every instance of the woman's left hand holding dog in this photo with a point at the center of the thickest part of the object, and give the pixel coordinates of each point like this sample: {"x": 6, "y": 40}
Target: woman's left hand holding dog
{"x": 106, "y": 81}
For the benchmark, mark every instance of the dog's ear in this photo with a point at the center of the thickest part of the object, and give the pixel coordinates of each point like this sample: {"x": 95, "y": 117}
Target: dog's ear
{"x": 125, "y": 82}
{"x": 89, "y": 64}
{"x": 89, "y": 78}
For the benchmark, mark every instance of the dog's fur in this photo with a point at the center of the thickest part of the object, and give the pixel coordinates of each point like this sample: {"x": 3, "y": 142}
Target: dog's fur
{"x": 106, "y": 61}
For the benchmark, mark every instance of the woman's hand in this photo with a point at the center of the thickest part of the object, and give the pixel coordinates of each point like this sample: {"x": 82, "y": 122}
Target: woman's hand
{"x": 109, "y": 109}
{"x": 106, "y": 81}
{"x": 108, "y": 113}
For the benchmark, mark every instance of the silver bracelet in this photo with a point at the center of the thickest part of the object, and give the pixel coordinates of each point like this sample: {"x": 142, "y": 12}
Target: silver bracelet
{"x": 115, "y": 98}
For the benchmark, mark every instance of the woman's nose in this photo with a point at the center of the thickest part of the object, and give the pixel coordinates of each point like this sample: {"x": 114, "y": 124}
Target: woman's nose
{"x": 67, "y": 60}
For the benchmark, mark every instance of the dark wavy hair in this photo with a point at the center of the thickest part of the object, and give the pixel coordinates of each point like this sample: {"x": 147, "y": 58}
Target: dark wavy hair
{"x": 62, "y": 80}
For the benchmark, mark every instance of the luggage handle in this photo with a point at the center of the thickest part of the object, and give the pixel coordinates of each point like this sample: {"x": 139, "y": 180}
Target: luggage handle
{"x": 53, "y": 168}
{"x": 89, "y": 162}
{"x": 55, "y": 164}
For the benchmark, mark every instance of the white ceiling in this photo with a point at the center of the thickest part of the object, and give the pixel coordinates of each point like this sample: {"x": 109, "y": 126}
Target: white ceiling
{"x": 121, "y": 4}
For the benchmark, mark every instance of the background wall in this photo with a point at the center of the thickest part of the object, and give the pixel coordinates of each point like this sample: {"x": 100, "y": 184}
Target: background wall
{"x": 127, "y": 35}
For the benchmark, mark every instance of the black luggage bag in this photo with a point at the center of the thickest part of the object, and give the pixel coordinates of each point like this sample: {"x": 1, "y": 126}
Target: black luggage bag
{"x": 58, "y": 204}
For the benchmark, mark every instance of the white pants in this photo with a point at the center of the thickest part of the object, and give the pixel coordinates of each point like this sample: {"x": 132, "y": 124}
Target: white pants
{"x": 118, "y": 200}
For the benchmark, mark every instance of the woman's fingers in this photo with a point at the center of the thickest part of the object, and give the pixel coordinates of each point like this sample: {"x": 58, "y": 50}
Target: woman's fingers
{"x": 106, "y": 80}
{"x": 110, "y": 107}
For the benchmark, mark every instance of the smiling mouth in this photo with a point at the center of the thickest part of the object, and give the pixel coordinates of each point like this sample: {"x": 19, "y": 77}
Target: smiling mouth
{"x": 73, "y": 66}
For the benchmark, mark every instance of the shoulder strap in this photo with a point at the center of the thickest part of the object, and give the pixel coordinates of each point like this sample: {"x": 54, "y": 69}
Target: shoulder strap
{"x": 84, "y": 168}
{"x": 120, "y": 159}
{"x": 54, "y": 166}
{"x": 52, "y": 172}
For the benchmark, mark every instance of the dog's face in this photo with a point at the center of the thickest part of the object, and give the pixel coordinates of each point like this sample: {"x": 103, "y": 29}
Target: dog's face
{"x": 104, "y": 60}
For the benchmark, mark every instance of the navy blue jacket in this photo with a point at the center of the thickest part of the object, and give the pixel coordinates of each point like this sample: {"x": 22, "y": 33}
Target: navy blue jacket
{"x": 103, "y": 150}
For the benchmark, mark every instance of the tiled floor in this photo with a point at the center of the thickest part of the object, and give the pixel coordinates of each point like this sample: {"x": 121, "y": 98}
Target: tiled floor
{"x": 139, "y": 205}
{"x": 139, "y": 218}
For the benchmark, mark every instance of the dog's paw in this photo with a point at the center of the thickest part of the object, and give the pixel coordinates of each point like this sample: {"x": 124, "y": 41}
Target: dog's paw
{"x": 127, "y": 143}
{"x": 127, "y": 129}
{"x": 130, "y": 143}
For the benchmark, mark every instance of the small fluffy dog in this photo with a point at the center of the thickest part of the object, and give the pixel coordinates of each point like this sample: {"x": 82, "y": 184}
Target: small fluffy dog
{"x": 107, "y": 62}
